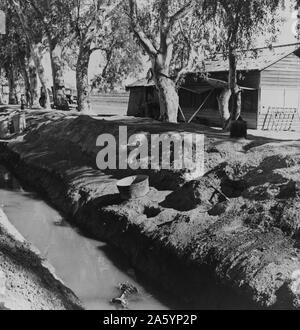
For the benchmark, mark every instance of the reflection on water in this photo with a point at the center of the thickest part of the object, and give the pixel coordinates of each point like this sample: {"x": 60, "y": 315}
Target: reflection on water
{"x": 8, "y": 181}
{"x": 90, "y": 268}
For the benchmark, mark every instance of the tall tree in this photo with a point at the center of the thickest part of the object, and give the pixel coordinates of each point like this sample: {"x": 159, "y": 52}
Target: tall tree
{"x": 119, "y": 52}
{"x": 86, "y": 20}
{"x": 15, "y": 52}
{"x": 12, "y": 52}
{"x": 156, "y": 24}
{"x": 240, "y": 23}
{"x": 54, "y": 24}
{"x": 34, "y": 37}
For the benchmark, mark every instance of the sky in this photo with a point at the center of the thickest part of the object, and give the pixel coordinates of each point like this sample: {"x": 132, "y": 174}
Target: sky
{"x": 288, "y": 30}
{"x": 286, "y": 36}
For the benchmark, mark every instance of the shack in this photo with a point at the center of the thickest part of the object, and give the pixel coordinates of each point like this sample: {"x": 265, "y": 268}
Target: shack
{"x": 269, "y": 78}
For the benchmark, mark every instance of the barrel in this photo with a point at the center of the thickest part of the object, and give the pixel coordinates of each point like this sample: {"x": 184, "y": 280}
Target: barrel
{"x": 133, "y": 187}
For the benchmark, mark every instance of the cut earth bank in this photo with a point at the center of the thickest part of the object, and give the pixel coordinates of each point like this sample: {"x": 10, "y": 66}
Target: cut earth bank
{"x": 27, "y": 282}
{"x": 228, "y": 240}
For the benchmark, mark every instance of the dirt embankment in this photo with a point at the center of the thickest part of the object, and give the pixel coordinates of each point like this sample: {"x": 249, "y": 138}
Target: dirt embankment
{"x": 227, "y": 240}
{"x": 27, "y": 282}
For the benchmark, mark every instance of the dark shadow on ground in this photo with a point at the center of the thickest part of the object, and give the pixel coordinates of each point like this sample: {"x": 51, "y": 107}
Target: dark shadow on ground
{"x": 121, "y": 262}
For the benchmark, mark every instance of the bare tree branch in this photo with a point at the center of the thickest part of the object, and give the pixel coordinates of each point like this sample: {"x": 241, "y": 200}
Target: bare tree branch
{"x": 17, "y": 8}
{"x": 138, "y": 31}
{"x": 52, "y": 37}
{"x": 181, "y": 13}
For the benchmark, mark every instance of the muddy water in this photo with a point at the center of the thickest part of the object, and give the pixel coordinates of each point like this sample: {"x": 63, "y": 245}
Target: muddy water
{"x": 90, "y": 268}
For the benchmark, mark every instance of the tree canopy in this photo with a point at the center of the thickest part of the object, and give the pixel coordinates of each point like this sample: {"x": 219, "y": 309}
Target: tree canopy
{"x": 175, "y": 36}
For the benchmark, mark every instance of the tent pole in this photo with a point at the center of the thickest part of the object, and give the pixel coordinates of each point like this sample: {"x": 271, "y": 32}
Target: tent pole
{"x": 182, "y": 114}
{"x": 201, "y": 106}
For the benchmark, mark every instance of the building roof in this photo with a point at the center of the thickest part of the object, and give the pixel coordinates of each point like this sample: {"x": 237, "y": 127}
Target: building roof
{"x": 259, "y": 59}
{"x": 207, "y": 85}
{"x": 141, "y": 83}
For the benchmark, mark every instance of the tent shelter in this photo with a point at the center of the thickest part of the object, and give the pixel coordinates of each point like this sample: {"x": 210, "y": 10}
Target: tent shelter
{"x": 270, "y": 79}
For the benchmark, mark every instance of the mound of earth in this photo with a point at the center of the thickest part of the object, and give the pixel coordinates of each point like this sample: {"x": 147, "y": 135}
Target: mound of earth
{"x": 235, "y": 230}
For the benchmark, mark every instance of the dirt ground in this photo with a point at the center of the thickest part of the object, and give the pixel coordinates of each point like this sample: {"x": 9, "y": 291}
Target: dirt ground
{"x": 236, "y": 228}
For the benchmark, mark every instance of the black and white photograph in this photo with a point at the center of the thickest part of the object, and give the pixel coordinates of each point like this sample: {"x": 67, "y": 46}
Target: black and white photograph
{"x": 149, "y": 158}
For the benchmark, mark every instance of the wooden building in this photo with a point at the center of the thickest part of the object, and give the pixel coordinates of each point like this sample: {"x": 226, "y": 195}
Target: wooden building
{"x": 270, "y": 79}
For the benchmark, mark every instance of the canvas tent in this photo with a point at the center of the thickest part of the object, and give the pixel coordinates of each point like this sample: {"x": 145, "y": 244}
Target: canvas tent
{"x": 270, "y": 79}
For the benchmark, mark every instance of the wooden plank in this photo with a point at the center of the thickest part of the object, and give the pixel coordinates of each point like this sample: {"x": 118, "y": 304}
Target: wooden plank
{"x": 280, "y": 81}
{"x": 182, "y": 114}
{"x": 279, "y": 119}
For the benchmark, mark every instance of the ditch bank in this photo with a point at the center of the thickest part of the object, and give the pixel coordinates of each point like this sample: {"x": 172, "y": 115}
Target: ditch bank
{"x": 27, "y": 282}
{"x": 228, "y": 240}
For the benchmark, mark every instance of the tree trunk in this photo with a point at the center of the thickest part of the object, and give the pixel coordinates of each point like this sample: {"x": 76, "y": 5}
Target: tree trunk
{"x": 168, "y": 100}
{"x": 55, "y": 70}
{"x": 12, "y": 98}
{"x": 232, "y": 79}
{"x": 298, "y": 21}
{"x": 26, "y": 79}
{"x": 168, "y": 95}
{"x": 36, "y": 53}
{"x": 238, "y": 108}
{"x": 37, "y": 58}
{"x": 82, "y": 79}
{"x": 34, "y": 93}
{"x": 1, "y": 88}
{"x": 236, "y": 104}
{"x": 59, "y": 97}
{"x": 223, "y": 103}
{"x": 1, "y": 96}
